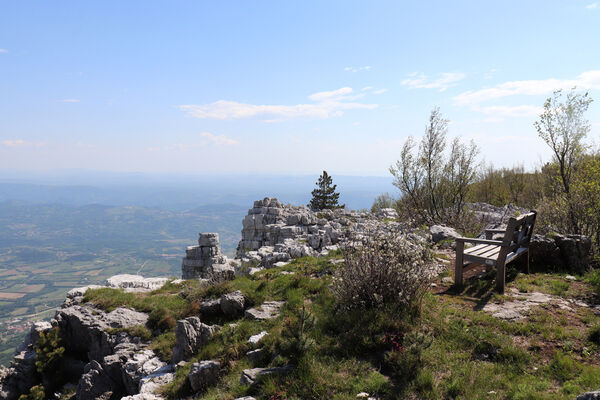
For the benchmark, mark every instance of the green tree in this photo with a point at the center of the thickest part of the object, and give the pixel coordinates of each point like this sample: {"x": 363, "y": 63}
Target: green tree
{"x": 563, "y": 127}
{"x": 324, "y": 196}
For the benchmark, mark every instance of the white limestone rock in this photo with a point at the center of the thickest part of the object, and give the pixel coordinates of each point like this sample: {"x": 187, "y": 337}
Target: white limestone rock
{"x": 135, "y": 283}
{"x": 267, "y": 310}
{"x": 204, "y": 374}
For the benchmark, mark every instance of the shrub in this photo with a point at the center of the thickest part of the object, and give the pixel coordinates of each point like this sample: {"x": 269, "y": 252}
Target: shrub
{"x": 295, "y": 340}
{"x": 405, "y": 361}
{"x": 594, "y": 334}
{"x": 383, "y": 268}
{"x": 49, "y": 351}
{"x": 35, "y": 393}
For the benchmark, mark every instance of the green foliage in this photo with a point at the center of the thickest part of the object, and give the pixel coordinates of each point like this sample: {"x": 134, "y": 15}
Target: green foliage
{"x": 164, "y": 308}
{"x": 140, "y": 331}
{"x": 384, "y": 200}
{"x": 406, "y": 361}
{"x": 563, "y": 367}
{"x": 593, "y": 278}
{"x": 163, "y": 345}
{"x": 507, "y": 185}
{"x": 324, "y": 196}
{"x": 295, "y": 337}
{"x": 49, "y": 352}
{"x": 594, "y": 334}
{"x": 35, "y": 393}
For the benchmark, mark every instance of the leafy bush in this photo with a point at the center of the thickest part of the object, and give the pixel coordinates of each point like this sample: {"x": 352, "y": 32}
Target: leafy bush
{"x": 383, "y": 268}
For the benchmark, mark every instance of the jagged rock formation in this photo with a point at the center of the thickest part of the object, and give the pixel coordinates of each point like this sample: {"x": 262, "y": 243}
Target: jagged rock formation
{"x": 206, "y": 261}
{"x": 275, "y": 233}
{"x": 561, "y": 252}
{"x": 190, "y": 336}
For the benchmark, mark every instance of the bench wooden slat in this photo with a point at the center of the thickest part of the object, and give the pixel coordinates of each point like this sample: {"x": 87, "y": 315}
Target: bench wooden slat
{"x": 480, "y": 249}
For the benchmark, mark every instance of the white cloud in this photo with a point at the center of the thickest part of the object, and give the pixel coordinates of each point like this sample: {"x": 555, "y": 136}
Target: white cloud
{"x": 379, "y": 91}
{"x": 510, "y": 111}
{"x": 490, "y": 74}
{"x": 69, "y": 101}
{"x": 326, "y": 104}
{"x": 592, "y": 6}
{"x": 358, "y": 69}
{"x": 366, "y": 88}
{"x": 219, "y": 140}
{"x": 339, "y": 94}
{"x": 22, "y": 143}
{"x": 587, "y": 80}
{"x": 444, "y": 81}
{"x": 208, "y": 139}
{"x": 3, "y": 51}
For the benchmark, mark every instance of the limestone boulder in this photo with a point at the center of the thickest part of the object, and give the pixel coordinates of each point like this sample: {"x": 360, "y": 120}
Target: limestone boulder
{"x": 190, "y": 336}
{"x": 135, "y": 283}
{"x": 250, "y": 376}
{"x": 595, "y": 395}
{"x": 84, "y": 328}
{"x": 267, "y": 310}
{"x": 95, "y": 383}
{"x": 440, "y": 232}
{"x": 232, "y": 304}
{"x": 204, "y": 374}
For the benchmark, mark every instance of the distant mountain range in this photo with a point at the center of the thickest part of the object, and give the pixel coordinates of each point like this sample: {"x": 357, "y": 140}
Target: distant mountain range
{"x": 179, "y": 192}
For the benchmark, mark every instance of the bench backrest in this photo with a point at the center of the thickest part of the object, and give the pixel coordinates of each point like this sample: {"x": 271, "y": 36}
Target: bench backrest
{"x": 519, "y": 231}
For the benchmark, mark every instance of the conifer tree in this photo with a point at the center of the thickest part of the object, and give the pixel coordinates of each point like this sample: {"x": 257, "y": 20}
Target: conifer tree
{"x": 324, "y": 196}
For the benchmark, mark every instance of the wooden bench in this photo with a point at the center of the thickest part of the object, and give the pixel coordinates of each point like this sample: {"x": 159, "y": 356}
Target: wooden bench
{"x": 497, "y": 253}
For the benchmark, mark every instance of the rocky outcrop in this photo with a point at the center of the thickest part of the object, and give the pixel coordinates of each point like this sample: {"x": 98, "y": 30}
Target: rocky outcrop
{"x": 190, "y": 336}
{"x": 595, "y": 395}
{"x": 204, "y": 374}
{"x": 135, "y": 283}
{"x": 232, "y": 304}
{"x": 84, "y": 328}
{"x": 274, "y": 233}
{"x": 440, "y": 232}
{"x": 95, "y": 383}
{"x": 561, "y": 252}
{"x": 494, "y": 216}
{"x": 206, "y": 261}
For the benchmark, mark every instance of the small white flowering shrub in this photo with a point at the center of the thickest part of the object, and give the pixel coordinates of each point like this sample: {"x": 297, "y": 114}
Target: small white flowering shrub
{"x": 383, "y": 268}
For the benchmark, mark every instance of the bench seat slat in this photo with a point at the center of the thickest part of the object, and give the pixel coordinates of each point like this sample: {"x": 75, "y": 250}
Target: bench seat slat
{"x": 479, "y": 249}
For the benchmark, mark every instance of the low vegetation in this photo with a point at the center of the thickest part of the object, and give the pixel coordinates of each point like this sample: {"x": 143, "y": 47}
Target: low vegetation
{"x": 442, "y": 346}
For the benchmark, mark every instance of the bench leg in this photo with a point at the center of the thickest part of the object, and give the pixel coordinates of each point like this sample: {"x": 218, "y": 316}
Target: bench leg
{"x": 500, "y": 277}
{"x": 525, "y": 262}
{"x": 458, "y": 267}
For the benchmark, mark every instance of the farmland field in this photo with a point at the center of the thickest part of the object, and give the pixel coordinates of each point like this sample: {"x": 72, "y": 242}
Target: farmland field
{"x": 45, "y": 250}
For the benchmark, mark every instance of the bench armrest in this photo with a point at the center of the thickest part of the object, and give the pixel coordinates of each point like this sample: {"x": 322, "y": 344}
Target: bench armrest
{"x": 490, "y": 232}
{"x": 478, "y": 241}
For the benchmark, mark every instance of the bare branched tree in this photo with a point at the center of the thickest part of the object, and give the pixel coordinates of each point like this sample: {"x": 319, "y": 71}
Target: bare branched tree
{"x": 434, "y": 182}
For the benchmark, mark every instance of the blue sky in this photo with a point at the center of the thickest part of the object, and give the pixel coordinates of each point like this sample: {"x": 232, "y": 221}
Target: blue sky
{"x": 286, "y": 87}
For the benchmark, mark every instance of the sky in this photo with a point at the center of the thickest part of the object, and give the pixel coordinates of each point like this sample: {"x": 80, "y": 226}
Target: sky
{"x": 282, "y": 87}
